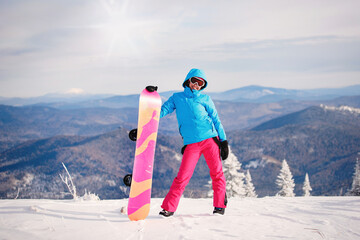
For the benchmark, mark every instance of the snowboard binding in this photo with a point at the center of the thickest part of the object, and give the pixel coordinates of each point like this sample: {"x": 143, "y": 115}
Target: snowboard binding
{"x": 152, "y": 88}
{"x": 133, "y": 134}
{"x": 127, "y": 180}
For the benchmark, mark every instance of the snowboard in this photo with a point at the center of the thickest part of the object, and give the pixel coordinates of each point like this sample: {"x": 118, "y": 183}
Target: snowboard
{"x": 141, "y": 179}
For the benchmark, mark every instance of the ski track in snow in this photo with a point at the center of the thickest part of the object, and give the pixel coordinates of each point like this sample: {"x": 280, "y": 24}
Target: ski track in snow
{"x": 259, "y": 218}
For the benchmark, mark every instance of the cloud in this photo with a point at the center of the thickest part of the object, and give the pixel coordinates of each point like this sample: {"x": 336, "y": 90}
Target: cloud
{"x": 102, "y": 45}
{"x": 324, "y": 53}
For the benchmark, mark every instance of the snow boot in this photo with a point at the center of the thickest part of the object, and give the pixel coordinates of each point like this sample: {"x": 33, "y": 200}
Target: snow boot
{"x": 219, "y": 211}
{"x": 166, "y": 213}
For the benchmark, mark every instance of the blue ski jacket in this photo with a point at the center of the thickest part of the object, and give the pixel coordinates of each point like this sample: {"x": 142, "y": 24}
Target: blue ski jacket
{"x": 196, "y": 114}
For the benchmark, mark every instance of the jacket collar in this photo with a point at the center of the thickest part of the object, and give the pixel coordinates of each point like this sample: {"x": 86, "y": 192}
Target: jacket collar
{"x": 191, "y": 93}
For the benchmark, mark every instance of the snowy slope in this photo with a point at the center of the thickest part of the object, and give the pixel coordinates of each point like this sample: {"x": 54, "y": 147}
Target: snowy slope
{"x": 258, "y": 218}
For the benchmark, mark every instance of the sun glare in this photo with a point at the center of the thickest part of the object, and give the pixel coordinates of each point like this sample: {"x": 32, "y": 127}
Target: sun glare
{"x": 119, "y": 29}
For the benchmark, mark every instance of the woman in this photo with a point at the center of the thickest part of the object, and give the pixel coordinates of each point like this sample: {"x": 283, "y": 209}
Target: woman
{"x": 203, "y": 133}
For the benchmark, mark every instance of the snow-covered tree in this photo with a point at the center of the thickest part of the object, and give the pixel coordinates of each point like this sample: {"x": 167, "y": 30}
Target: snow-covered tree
{"x": 306, "y": 187}
{"x": 88, "y": 196}
{"x": 69, "y": 183}
{"x": 285, "y": 181}
{"x": 234, "y": 178}
{"x": 355, "y": 187}
{"x": 249, "y": 186}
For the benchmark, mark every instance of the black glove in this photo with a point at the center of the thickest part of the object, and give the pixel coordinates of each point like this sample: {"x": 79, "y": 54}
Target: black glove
{"x": 183, "y": 149}
{"x": 224, "y": 150}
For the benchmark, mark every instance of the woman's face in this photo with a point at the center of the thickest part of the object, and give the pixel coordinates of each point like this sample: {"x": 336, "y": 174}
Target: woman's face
{"x": 194, "y": 86}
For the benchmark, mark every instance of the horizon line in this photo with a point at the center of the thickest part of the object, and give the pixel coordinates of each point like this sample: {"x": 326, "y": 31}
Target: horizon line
{"x": 84, "y": 93}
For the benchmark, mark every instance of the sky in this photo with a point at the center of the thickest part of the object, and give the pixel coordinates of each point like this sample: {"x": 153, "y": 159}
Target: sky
{"x": 119, "y": 47}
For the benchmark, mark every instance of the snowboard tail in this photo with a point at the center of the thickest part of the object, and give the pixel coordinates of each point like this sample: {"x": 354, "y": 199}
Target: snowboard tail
{"x": 148, "y": 123}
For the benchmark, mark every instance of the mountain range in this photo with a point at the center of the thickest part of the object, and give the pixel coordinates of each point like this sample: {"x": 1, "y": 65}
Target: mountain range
{"x": 325, "y": 146}
{"x": 261, "y": 94}
{"x": 321, "y": 140}
{"x": 252, "y": 94}
{"x": 19, "y": 124}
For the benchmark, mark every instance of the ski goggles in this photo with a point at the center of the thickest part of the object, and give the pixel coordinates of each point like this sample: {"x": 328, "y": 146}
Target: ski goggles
{"x": 199, "y": 81}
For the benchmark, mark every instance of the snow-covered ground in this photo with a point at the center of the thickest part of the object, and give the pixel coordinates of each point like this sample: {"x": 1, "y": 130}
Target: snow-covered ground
{"x": 258, "y": 218}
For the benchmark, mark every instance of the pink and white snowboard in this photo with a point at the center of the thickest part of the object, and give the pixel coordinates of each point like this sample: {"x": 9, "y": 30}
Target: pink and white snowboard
{"x": 148, "y": 123}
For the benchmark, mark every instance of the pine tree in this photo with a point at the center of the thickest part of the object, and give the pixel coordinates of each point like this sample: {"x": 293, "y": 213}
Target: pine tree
{"x": 249, "y": 186}
{"x": 285, "y": 181}
{"x": 355, "y": 187}
{"x": 307, "y": 188}
{"x": 234, "y": 178}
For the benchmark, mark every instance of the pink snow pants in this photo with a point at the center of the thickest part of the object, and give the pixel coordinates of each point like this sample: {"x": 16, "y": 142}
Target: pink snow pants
{"x": 190, "y": 158}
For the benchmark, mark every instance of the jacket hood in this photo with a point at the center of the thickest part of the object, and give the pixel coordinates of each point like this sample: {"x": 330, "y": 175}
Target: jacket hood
{"x": 195, "y": 73}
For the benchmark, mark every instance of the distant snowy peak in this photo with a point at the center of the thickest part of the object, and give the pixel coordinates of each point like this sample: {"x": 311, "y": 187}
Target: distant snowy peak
{"x": 344, "y": 109}
{"x": 267, "y": 92}
{"x": 75, "y": 91}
